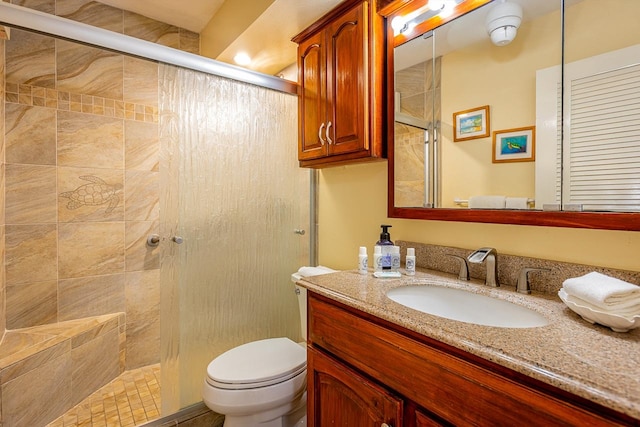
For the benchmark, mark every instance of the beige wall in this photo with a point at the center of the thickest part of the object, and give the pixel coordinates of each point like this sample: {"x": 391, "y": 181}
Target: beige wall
{"x": 505, "y": 79}
{"x": 352, "y": 199}
{"x": 353, "y": 204}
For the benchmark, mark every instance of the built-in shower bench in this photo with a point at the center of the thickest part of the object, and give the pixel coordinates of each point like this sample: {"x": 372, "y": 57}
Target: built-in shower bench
{"x": 46, "y": 370}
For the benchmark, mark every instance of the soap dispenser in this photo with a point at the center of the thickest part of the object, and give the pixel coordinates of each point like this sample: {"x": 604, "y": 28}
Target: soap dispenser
{"x": 386, "y": 248}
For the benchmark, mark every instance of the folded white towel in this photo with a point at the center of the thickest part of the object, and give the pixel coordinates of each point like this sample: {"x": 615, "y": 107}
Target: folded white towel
{"x": 487, "y": 202}
{"x": 603, "y": 291}
{"x": 628, "y": 312}
{"x": 315, "y": 271}
{"x": 516, "y": 203}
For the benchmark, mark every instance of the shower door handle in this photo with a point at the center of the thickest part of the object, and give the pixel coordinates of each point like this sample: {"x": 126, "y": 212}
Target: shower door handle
{"x": 177, "y": 239}
{"x": 153, "y": 240}
{"x": 320, "y": 134}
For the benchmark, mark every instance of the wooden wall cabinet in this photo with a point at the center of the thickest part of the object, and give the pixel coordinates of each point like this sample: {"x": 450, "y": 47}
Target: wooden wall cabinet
{"x": 340, "y": 76}
{"x": 377, "y": 373}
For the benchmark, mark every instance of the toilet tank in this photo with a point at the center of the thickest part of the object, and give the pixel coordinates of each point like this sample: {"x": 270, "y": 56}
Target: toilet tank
{"x": 301, "y": 292}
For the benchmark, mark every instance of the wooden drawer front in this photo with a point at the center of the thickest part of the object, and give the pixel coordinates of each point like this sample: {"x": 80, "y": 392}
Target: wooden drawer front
{"x": 452, "y": 388}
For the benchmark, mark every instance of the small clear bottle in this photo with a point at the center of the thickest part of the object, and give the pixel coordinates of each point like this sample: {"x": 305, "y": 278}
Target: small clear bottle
{"x": 410, "y": 262}
{"x": 363, "y": 260}
{"x": 377, "y": 258}
{"x": 395, "y": 258}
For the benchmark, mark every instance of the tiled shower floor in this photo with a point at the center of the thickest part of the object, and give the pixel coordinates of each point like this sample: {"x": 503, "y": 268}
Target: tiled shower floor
{"x": 131, "y": 399}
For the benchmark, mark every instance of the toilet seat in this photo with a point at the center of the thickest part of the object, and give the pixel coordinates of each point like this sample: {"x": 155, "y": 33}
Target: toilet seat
{"x": 257, "y": 364}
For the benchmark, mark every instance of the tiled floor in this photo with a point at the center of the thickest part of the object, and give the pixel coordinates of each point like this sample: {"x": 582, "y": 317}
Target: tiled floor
{"x": 131, "y": 399}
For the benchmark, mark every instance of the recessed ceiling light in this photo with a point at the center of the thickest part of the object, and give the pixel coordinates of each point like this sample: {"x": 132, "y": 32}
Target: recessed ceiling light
{"x": 242, "y": 58}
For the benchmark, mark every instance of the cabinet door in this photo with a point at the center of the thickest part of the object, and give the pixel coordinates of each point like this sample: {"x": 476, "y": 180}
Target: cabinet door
{"x": 338, "y": 396}
{"x": 347, "y": 81}
{"x": 312, "y": 110}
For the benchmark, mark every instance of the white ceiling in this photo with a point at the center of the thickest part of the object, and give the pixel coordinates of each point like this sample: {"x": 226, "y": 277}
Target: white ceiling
{"x": 267, "y": 39}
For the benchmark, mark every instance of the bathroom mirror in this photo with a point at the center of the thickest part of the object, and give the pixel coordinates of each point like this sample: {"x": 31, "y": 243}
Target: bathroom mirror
{"x": 442, "y": 75}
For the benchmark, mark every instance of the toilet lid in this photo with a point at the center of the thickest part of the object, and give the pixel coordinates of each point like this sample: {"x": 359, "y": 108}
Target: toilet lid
{"x": 257, "y": 364}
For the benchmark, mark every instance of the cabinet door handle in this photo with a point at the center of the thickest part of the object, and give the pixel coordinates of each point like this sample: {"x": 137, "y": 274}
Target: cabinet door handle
{"x": 320, "y": 134}
{"x": 385, "y": 425}
{"x": 327, "y": 134}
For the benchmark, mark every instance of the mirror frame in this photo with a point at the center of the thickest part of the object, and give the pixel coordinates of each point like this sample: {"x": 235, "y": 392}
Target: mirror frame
{"x": 628, "y": 221}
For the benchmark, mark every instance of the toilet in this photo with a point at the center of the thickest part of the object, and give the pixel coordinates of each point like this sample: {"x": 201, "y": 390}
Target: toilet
{"x": 263, "y": 383}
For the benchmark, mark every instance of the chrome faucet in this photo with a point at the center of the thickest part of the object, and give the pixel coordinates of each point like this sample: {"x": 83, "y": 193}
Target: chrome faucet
{"x": 490, "y": 255}
{"x": 463, "y": 274}
{"x": 522, "y": 285}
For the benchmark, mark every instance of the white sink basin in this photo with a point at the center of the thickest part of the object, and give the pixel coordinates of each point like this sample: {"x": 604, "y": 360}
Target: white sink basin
{"x": 456, "y": 304}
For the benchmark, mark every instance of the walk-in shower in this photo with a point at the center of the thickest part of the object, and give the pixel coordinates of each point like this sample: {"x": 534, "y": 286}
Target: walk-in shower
{"x": 107, "y": 140}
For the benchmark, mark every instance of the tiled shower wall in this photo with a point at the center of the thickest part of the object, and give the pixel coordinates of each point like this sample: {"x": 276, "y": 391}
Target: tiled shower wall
{"x": 415, "y": 86}
{"x": 81, "y": 176}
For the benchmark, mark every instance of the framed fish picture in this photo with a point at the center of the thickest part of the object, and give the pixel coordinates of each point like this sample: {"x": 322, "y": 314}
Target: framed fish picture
{"x": 514, "y": 145}
{"x": 471, "y": 124}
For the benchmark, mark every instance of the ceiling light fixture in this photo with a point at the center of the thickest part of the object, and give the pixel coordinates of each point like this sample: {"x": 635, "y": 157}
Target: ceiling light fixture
{"x": 242, "y": 58}
{"x": 436, "y": 4}
{"x": 503, "y": 22}
{"x": 404, "y": 24}
{"x": 447, "y": 9}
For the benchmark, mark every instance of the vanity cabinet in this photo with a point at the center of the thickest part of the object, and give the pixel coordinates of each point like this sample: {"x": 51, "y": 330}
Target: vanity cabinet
{"x": 364, "y": 365}
{"x": 340, "y": 86}
{"x": 342, "y": 397}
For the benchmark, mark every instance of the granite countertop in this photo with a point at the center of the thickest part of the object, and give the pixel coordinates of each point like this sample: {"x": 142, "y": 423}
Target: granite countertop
{"x": 588, "y": 360}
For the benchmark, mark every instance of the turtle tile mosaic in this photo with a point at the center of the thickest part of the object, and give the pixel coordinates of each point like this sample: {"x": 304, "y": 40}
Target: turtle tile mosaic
{"x": 90, "y": 194}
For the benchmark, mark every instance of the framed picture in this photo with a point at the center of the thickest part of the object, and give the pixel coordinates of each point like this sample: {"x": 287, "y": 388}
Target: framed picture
{"x": 471, "y": 124}
{"x": 514, "y": 145}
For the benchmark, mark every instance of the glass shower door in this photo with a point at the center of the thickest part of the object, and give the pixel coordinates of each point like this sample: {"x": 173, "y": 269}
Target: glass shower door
{"x": 233, "y": 202}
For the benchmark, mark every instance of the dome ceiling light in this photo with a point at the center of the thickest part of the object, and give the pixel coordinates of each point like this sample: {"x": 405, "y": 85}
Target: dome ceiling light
{"x": 503, "y": 21}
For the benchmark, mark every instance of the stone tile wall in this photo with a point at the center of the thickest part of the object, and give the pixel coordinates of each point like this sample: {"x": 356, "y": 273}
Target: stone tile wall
{"x": 80, "y": 192}
{"x": 414, "y": 84}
